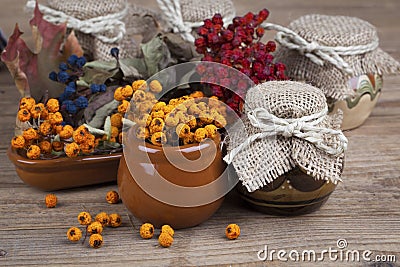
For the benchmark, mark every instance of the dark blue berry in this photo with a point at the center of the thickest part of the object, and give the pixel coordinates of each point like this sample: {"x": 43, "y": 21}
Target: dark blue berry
{"x": 72, "y": 60}
{"x": 103, "y": 87}
{"x": 72, "y": 84}
{"x": 80, "y": 62}
{"x": 81, "y": 102}
{"x": 68, "y": 91}
{"x": 95, "y": 88}
{"x": 114, "y": 52}
{"x": 62, "y": 77}
{"x": 70, "y": 106}
{"x": 63, "y": 66}
{"x": 53, "y": 76}
{"x": 62, "y": 97}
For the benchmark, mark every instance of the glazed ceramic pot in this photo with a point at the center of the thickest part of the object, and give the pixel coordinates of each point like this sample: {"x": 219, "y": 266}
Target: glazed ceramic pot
{"x": 358, "y": 108}
{"x": 145, "y": 163}
{"x": 293, "y": 193}
{"x": 63, "y": 172}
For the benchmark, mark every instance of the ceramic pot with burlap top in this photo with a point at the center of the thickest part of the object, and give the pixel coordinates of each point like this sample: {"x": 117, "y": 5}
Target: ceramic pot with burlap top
{"x": 290, "y": 156}
{"x": 339, "y": 55}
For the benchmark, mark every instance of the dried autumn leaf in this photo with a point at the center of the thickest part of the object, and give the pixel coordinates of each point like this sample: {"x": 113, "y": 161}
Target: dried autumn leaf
{"x": 30, "y": 69}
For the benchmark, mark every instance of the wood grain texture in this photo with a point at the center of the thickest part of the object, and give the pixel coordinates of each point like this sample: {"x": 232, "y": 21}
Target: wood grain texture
{"x": 365, "y": 209}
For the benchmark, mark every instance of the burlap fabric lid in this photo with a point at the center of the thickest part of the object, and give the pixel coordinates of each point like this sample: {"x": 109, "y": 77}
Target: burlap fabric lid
{"x": 184, "y": 16}
{"x": 197, "y": 11}
{"x": 89, "y": 9}
{"x": 335, "y": 31}
{"x": 265, "y": 159}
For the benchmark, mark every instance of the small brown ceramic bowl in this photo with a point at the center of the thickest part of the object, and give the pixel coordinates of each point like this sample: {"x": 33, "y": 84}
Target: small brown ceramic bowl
{"x": 63, "y": 172}
{"x": 146, "y": 160}
{"x": 293, "y": 193}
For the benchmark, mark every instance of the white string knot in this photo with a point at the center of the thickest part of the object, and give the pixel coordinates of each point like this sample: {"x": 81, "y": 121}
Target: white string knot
{"x": 172, "y": 12}
{"x": 304, "y": 128}
{"x": 108, "y": 28}
{"x": 318, "y": 53}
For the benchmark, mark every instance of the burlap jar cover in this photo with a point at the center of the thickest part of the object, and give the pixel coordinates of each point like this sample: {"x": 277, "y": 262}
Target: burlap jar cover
{"x": 327, "y": 51}
{"x": 286, "y": 125}
{"x": 184, "y": 16}
{"x": 99, "y": 24}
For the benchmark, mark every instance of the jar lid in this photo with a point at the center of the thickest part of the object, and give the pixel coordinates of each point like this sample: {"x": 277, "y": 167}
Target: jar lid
{"x": 89, "y": 8}
{"x": 286, "y": 125}
{"x": 327, "y": 51}
{"x": 334, "y": 30}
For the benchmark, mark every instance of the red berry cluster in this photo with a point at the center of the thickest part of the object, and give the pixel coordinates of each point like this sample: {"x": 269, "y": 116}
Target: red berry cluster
{"x": 238, "y": 45}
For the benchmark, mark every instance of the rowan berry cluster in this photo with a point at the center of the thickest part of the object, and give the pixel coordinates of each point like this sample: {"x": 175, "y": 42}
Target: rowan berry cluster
{"x": 179, "y": 121}
{"x": 237, "y": 45}
{"x": 95, "y": 227}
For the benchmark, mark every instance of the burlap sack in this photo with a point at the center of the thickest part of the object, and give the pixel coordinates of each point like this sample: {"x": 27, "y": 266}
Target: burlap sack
{"x": 265, "y": 159}
{"x": 184, "y": 16}
{"x": 84, "y": 10}
{"x": 334, "y": 31}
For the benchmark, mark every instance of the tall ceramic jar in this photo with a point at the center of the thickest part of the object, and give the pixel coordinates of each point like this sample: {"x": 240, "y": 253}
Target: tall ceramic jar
{"x": 341, "y": 56}
{"x": 290, "y": 155}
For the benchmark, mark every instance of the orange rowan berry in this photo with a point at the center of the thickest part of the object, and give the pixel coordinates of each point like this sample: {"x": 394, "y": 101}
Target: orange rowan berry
{"x": 118, "y": 94}
{"x": 96, "y": 241}
{"x": 127, "y": 91}
{"x": 95, "y": 228}
{"x": 165, "y": 240}
{"x": 18, "y": 142}
{"x": 33, "y": 152}
{"x": 72, "y": 150}
{"x": 84, "y": 218}
{"x": 39, "y": 110}
{"x": 66, "y": 132}
{"x": 115, "y": 220}
{"x": 146, "y": 231}
{"x": 167, "y": 229}
{"x": 30, "y": 134}
{"x": 24, "y": 115}
{"x": 232, "y": 231}
{"x": 112, "y": 197}
{"x": 45, "y": 128}
{"x": 102, "y": 218}
{"x": 116, "y": 120}
{"x": 139, "y": 85}
{"x": 123, "y": 107}
{"x": 139, "y": 96}
{"x": 51, "y": 200}
{"x": 200, "y": 134}
{"x": 155, "y": 86}
{"x": 74, "y": 234}
{"x": 212, "y": 130}
{"x": 27, "y": 103}
{"x": 57, "y": 146}
{"x": 197, "y": 94}
{"x": 52, "y": 105}
{"x": 158, "y": 139}
{"x": 45, "y": 146}
{"x": 55, "y": 118}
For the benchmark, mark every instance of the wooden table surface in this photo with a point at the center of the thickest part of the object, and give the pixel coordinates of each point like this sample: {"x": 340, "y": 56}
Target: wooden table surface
{"x": 364, "y": 210}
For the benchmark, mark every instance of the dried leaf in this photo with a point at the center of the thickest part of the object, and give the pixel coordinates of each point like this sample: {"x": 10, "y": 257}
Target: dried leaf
{"x": 156, "y": 55}
{"x": 98, "y": 101}
{"x": 102, "y": 113}
{"x": 93, "y": 130}
{"x": 29, "y": 69}
{"x": 72, "y": 46}
{"x": 180, "y": 48}
{"x": 107, "y": 127}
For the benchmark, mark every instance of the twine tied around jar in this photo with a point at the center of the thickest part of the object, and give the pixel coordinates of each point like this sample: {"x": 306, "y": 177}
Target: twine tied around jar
{"x": 108, "y": 28}
{"x": 303, "y": 127}
{"x": 183, "y": 21}
{"x": 317, "y": 52}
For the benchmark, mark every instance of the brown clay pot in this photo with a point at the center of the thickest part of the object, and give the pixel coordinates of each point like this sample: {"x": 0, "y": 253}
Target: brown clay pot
{"x": 293, "y": 193}
{"x": 63, "y": 172}
{"x": 148, "y": 160}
